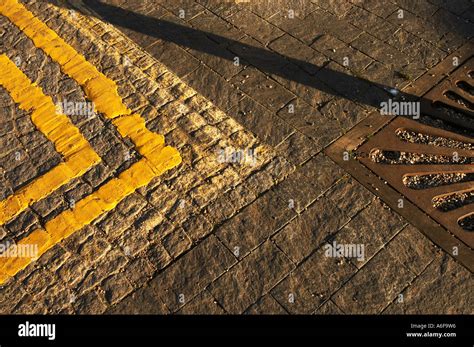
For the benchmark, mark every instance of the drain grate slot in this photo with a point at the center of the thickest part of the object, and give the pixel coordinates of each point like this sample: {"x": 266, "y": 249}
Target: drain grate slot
{"x": 458, "y": 99}
{"x": 411, "y": 136}
{"x": 427, "y": 181}
{"x": 466, "y": 87}
{"x": 453, "y": 201}
{"x": 467, "y": 223}
{"x": 404, "y": 158}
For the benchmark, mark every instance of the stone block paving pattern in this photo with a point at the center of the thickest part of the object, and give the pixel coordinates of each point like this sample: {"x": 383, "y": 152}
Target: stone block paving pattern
{"x": 283, "y": 78}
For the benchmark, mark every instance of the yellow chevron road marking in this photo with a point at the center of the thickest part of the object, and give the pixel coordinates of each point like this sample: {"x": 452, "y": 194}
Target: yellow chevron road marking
{"x": 78, "y": 155}
{"x": 156, "y": 157}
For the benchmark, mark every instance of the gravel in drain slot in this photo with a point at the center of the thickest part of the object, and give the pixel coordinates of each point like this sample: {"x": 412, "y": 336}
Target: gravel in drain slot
{"x": 467, "y": 223}
{"x": 436, "y": 180}
{"x": 413, "y": 137}
{"x": 403, "y": 158}
{"x": 453, "y": 201}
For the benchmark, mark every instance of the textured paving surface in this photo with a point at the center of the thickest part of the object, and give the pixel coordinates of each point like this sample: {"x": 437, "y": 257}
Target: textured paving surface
{"x": 227, "y": 236}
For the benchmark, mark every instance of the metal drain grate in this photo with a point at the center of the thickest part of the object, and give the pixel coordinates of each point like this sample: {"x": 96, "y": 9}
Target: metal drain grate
{"x": 431, "y": 167}
{"x": 424, "y": 173}
{"x": 453, "y": 99}
{"x": 446, "y": 90}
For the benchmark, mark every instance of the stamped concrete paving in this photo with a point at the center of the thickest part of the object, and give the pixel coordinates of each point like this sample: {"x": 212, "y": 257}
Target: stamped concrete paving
{"x": 223, "y": 236}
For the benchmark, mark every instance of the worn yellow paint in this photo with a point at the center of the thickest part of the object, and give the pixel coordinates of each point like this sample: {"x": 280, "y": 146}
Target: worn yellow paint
{"x": 156, "y": 157}
{"x": 97, "y": 87}
{"x": 66, "y": 138}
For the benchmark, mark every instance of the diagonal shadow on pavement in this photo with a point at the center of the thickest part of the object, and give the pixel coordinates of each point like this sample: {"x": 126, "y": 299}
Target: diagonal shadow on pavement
{"x": 342, "y": 84}
{"x": 354, "y": 88}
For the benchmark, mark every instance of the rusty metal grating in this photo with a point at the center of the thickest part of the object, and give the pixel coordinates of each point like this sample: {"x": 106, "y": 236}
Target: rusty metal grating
{"x": 452, "y": 100}
{"x": 429, "y": 170}
{"x": 433, "y": 168}
{"x": 446, "y": 90}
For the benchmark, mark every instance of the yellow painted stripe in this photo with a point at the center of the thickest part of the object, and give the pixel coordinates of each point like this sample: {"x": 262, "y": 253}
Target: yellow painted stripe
{"x": 66, "y": 138}
{"x": 98, "y": 88}
{"x": 157, "y": 158}
{"x": 86, "y": 210}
